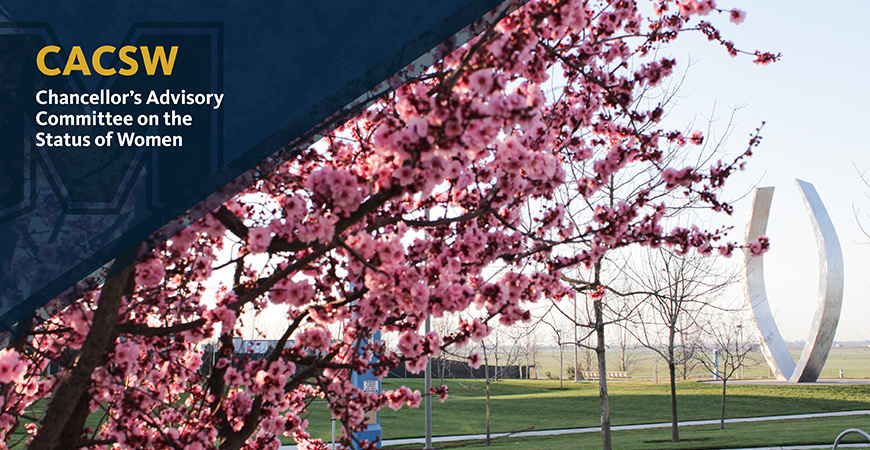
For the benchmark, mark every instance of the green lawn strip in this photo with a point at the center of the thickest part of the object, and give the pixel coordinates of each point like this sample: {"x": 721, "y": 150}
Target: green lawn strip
{"x": 16, "y": 440}
{"x": 519, "y": 405}
{"x": 741, "y": 435}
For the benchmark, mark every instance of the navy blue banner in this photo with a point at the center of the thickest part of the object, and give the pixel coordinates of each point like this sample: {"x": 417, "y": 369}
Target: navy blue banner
{"x": 124, "y": 121}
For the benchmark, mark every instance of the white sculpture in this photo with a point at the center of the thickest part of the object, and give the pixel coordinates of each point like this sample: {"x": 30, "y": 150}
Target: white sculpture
{"x": 827, "y": 314}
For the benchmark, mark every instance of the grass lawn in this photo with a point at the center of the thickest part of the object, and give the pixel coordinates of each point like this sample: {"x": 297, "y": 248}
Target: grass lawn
{"x": 743, "y": 435}
{"x": 520, "y": 405}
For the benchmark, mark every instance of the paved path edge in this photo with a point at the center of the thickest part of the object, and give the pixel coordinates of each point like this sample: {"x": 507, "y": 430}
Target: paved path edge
{"x": 689, "y": 423}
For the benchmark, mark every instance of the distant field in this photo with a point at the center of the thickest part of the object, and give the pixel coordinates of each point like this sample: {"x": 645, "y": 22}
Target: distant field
{"x": 855, "y": 363}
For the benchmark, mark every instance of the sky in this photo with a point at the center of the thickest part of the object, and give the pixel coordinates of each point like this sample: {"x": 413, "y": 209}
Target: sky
{"x": 814, "y": 102}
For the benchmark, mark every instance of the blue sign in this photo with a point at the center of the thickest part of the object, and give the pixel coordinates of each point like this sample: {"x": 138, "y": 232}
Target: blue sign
{"x": 123, "y": 122}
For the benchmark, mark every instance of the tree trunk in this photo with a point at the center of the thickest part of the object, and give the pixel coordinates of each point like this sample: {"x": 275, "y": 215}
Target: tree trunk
{"x": 487, "y": 414}
{"x": 722, "y": 416}
{"x": 56, "y": 429}
{"x": 675, "y": 430}
{"x": 622, "y": 365}
{"x": 602, "y": 378}
{"x": 672, "y": 371}
{"x": 561, "y": 354}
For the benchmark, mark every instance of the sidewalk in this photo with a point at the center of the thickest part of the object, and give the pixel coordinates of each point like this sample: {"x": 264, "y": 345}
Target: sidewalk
{"x": 821, "y": 381}
{"x": 474, "y": 437}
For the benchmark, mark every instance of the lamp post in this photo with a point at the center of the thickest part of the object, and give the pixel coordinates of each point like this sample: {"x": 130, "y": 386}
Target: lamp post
{"x": 740, "y": 346}
{"x": 428, "y": 394}
{"x": 576, "y": 366}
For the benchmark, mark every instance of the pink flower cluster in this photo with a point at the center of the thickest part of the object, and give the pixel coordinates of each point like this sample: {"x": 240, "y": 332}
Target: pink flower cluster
{"x": 685, "y": 177}
{"x": 403, "y": 396}
{"x": 337, "y": 188}
{"x": 699, "y": 7}
{"x": 259, "y": 239}
{"x": 12, "y": 369}
{"x": 316, "y": 338}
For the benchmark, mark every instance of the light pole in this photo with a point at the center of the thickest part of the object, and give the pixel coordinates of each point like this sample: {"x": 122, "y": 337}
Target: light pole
{"x": 740, "y": 346}
{"x": 428, "y": 376}
{"x": 428, "y": 394}
{"x": 576, "y": 344}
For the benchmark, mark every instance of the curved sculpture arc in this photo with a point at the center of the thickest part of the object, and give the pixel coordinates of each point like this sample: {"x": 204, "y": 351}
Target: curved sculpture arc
{"x": 827, "y": 314}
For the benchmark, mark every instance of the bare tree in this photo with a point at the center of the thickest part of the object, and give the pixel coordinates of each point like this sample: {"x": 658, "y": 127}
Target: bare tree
{"x": 442, "y": 326}
{"x": 588, "y": 357}
{"x": 489, "y": 351}
{"x": 625, "y": 343}
{"x": 488, "y": 379}
{"x": 726, "y": 352}
{"x": 525, "y": 341}
{"x": 862, "y": 221}
{"x": 690, "y": 343}
{"x": 529, "y": 349}
{"x": 673, "y": 290}
{"x": 562, "y": 338}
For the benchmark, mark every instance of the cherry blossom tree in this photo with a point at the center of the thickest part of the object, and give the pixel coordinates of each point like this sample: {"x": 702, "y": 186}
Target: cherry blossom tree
{"x": 396, "y": 215}
{"x": 608, "y": 299}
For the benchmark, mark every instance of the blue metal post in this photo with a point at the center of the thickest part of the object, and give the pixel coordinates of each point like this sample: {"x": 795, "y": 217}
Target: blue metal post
{"x": 369, "y": 384}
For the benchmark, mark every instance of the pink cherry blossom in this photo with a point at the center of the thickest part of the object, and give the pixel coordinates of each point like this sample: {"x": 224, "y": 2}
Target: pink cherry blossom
{"x": 760, "y": 246}
{"x": 737, "y": 16}
{"x": 258, "y": 239}
{"x": 402, "y": 397}
{"x": 475, "y": 361}
{"x": 12, "y": 369}
{"x": 441, "y": 391}
{"x": 410, "y": 344}
{"x": 315, "y": 338}
{"x": 150, "y": 271}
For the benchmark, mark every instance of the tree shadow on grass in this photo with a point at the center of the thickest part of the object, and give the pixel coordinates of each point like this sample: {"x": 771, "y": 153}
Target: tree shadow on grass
{"x": 682, "y": 440}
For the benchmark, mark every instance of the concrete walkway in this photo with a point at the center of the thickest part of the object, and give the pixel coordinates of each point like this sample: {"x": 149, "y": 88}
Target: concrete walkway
{"x": 805, "y": 447}
{"x": 475, "y": 437}
{"x": 819, "y": 382}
